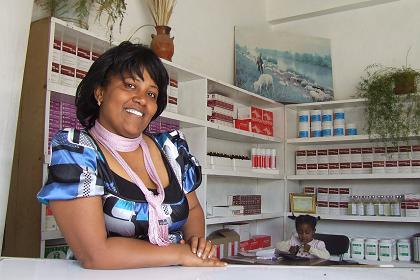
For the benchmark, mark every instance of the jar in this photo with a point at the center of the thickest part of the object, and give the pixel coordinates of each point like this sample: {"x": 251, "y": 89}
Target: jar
{"x": 387, "y": 205}
{"x": 404, "y": 250}
{"x": 358, "y": 248}
{"x": 385, "y": 250}
{"x": 371, "y": 249}
{"x": 360, "y": 206}
{"x": 369, "y": 207}
{"x": 352, "y": 209}
{"x": 396, "y": 206}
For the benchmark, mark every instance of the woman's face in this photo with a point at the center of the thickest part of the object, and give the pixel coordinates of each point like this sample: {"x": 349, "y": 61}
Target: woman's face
{"x": 305, "y": 233}
{"x": 128, "y": 104}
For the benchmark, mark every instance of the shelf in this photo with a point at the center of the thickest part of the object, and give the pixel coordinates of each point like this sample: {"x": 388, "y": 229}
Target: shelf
{"x": 179, "y": 73}
{"x": 348, "y": 103}
{"x": 237, "y": 135}
{"x": 185, "y": 121}
{"x": 246, "y": 174}
{"x": 366, "y": 218}
{"x": 61, "y": 89}
{"x": 51, "y": 234}
{"x": 240, "y": 95}
{"x": 355, "y": 176}
{"x": 336, "y": 140}
{"x": 222, "y": 220}
{"x": 329, "y": 140}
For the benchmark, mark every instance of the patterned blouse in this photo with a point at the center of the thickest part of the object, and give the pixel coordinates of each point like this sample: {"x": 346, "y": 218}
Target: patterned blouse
{"x": 78, "y": 169}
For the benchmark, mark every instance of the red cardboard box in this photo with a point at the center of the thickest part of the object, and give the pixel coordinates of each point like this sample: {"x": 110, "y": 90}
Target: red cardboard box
{"x": 263, "y": 241}
{"x": 267, "y": 117}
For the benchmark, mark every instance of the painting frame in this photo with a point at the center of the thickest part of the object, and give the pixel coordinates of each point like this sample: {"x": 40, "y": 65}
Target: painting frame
{"x": 302, "y": 203}
{"x": 287, "y": 68}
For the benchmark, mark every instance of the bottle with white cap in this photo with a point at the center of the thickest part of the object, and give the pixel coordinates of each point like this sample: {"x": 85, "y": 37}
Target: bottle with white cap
{"x": 273, "y": 159}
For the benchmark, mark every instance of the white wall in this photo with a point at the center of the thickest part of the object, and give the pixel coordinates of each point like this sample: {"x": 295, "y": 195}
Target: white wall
{"x": 14, "y": 26}
{"x": 203, "y": 30}
{"x": 377, "y": 34}
{"x": 285, "y": 10}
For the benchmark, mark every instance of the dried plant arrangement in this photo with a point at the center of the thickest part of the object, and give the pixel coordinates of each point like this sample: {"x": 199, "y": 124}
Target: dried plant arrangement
{"x": 161, "y": 10}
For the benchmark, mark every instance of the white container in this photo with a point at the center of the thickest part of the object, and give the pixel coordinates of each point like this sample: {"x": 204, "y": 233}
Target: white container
{"x": 339, "y": 130}
{"x": 304, "y": 130}
{"x": 351, "y": 129}
{"x": 327, "y": 116}
{"x": 327, "y": 129}
{"x": 316, "y": 116}
{"x": 385, "y": 250}
{"x": 339, "y": 114}
{"x": 404, "y": 250}
{"x": 303, "y": 117}
{"x": 371, "y": 249}
{"x": 358, "y": 248}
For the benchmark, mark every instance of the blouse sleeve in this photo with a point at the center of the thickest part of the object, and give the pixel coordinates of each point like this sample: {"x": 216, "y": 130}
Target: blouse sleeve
{"x": 185, "y": 166}
{"x": 72, "y": 171}
{"x": 319, "y": 250}
{"x": 283, "y": 246}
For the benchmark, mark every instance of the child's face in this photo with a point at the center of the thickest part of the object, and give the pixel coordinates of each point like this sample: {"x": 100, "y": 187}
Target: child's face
{"x": 305, "y": 233}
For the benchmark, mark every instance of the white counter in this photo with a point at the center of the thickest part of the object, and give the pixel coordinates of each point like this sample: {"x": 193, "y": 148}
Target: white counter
{"x": 45, "y": 269}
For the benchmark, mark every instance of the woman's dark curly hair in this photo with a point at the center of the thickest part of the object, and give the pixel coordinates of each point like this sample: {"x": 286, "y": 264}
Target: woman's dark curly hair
{"x": 126, "y": 58}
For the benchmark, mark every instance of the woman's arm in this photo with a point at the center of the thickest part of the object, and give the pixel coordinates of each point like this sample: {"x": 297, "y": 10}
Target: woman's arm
{"x": 82, "y": 223}
{"x": 195, "y": 223}
{"x": 194, "y": 229}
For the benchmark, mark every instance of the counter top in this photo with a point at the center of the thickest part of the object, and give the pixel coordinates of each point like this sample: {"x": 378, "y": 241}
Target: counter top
{"x": 45, "y": 269}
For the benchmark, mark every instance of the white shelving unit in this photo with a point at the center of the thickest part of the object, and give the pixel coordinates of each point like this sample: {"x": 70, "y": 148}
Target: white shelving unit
{"x": 202, "y": 136}
{"x": 387, "y": 219}
{"x": 360, "y": 184}
{"x": 397, "y": 176}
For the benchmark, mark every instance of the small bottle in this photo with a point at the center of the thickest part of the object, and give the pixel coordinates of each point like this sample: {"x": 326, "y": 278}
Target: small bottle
{"x": 360, "y": 206}
{"x": 254, "y": 157}
{"x": 387, "y": 205}
{"x": 369, "y": 207}
{"x": 396, "y": 206}
{"x": 381, "y": 200}
{"x": 273, "y": 159}
{"x": 352, "y": 208}
{"x": 376, "y": 205}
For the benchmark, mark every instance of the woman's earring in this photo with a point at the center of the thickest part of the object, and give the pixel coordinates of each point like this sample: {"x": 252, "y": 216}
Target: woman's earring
{"x": 99, "y": 103}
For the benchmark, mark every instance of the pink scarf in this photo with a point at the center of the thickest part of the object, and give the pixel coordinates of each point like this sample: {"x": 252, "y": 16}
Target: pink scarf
{"x": 158, "y": 225}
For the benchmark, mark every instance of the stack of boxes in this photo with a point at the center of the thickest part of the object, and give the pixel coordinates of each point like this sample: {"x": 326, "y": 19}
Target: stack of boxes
{"x": 70, "y": 63}
{"x": 161, "y": 124}
{"x": 220, "y": 109}
{"x": 172, "y": 92}
{"x": 255, "y": 120}
{"x": 330, "y": 201}
{"x": 251, "y": 203}
{"x": 236, "y": 205}
{"x": 62, "y": 115}
{"x": 223, "y": 110}
{"x": 358, "y": 160}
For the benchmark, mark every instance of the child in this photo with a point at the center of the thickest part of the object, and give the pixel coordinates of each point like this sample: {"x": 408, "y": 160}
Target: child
{"x": 304, "y": 244}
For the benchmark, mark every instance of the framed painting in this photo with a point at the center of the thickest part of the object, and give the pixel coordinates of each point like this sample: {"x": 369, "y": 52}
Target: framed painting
{"x": 302, "y": 203}
{"x": 284, "y": 67}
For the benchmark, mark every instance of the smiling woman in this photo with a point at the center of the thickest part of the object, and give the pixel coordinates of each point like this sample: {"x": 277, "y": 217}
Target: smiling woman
{"x": 118, "y": 198}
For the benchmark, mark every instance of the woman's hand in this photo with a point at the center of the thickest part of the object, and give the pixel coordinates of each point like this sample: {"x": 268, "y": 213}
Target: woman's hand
{"x": 188, "y": 258}
{"x": 201, "y": 247}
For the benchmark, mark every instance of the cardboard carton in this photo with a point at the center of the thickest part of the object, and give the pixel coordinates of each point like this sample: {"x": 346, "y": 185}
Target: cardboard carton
{"x": 229, "y": 239}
